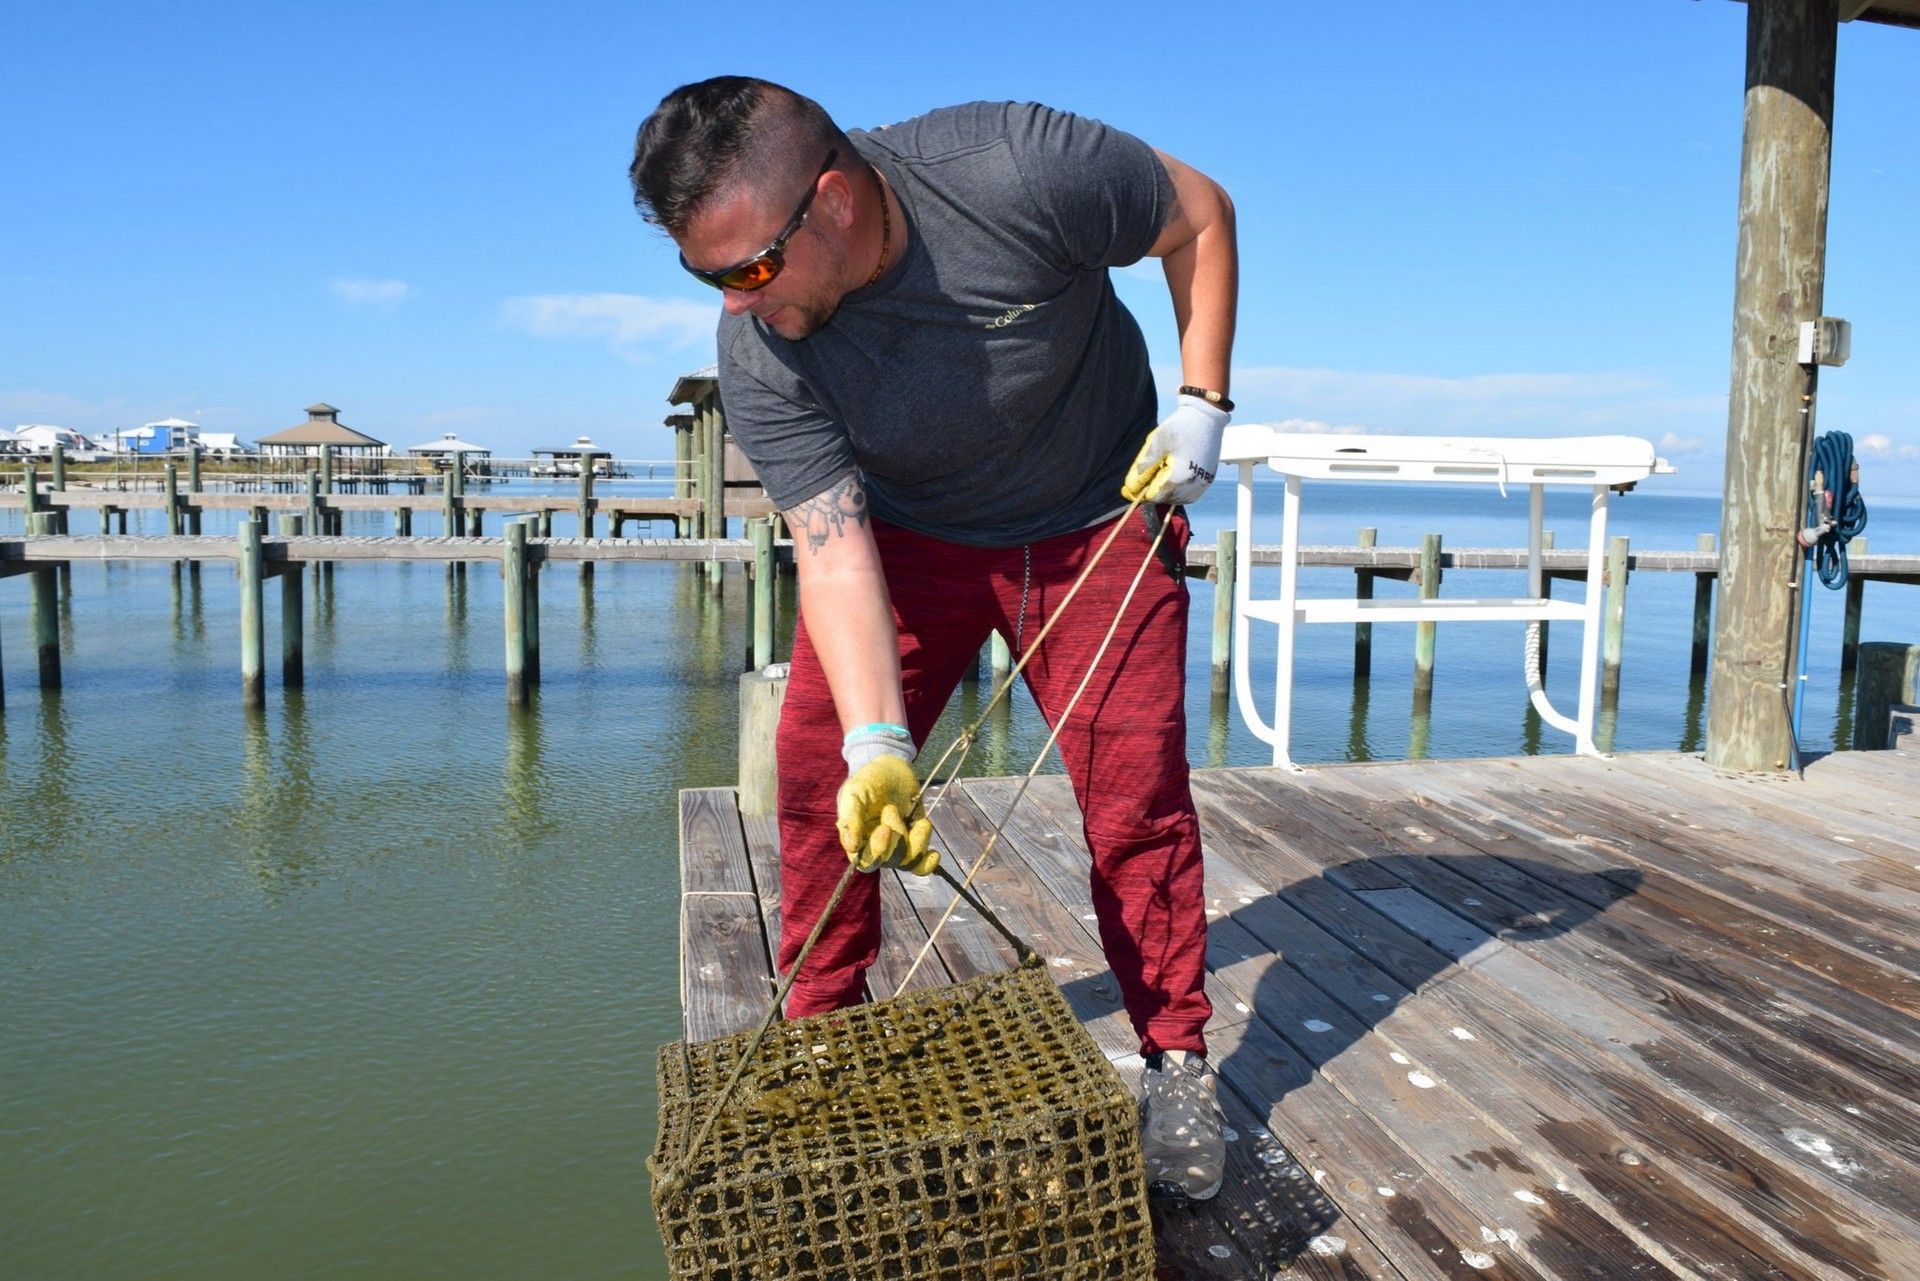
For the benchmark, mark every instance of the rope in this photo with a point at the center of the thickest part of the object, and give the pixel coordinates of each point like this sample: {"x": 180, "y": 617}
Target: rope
{"x": 1835, "y": 511}
{"x": 673, "y": 1180}
{"x": 1060, "y": 722}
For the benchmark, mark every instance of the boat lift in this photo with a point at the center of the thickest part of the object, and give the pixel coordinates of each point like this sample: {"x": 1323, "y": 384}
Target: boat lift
{"x": 1601, "y": 463}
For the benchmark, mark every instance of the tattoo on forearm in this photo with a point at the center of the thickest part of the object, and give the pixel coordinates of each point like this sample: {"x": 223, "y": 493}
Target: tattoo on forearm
{"x": 829, "y": 514}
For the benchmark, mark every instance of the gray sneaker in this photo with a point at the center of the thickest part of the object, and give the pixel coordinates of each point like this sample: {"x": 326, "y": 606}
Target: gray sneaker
{"x": 1180, "y": 1127}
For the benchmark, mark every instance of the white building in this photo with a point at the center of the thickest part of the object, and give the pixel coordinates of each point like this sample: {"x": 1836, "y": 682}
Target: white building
{"x": 40, "y": 438}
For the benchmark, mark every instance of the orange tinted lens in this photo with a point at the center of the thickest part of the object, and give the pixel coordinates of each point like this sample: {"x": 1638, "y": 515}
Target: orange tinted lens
{"x": 757, "y": 274}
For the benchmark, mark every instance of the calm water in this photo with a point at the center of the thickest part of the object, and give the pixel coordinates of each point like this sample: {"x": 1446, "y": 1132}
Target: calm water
{"x": 370, "y": 984}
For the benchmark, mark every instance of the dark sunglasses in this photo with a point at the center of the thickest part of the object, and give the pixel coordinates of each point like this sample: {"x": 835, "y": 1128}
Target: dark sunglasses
{"x": 760, "y": 270}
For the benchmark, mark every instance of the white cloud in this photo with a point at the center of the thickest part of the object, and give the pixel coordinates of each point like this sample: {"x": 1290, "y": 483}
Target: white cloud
{"x": 1674, "y": 443}
{"x": 378, "y": 293}
{"x": 1881, "y": 447}
{"x": 632, "y": 326}
{"x": 1314, "y": 426}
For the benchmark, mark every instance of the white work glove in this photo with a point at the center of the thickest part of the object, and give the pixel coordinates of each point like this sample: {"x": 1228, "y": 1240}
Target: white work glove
{"x": 1180, "y": 457}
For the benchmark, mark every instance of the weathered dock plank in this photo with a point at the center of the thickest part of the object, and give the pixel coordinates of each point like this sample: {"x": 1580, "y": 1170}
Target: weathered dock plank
{"x": 1691, "y": 1050}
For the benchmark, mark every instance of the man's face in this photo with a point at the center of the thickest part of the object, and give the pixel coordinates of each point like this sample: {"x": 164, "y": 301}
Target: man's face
{"x": 738, "y": 224}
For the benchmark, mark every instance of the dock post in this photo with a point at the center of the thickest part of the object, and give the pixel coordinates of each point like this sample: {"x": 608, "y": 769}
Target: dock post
{"x": 1429, "y": 574}
{"x": 1546, "y": 593}
{"x": 761, "y": 693}
{"x": 1614, "y": 625}
{"x": 1850, "y": 629}
{"x": 106, "y": 519}
{"x": 1889, "y": 676}
{"x": 761, "y": 599}
{"x": 513, "y": 570}
{"x": 1224, "y": 570}
{"x": 531, "y": 608}
{"x": 1001, "y": 657}
{"x": 193, "y": 489}
{"x": 586, "y": 498}
{"x": 1780, "y": 280}
{"x": 403, "y": 522}
{"x": 46, "y": 607}
{"x": 253, "y": 649}
{"x": 1702, "y": 608}
{"x": 546, "y": 522}
{"x": 293, "y": 612}
{"x": 682, "y": 425}
{"x": 1363, "y": 590}
{"x": 313, "y": 504}
{"x": 173, "y": 498}
{"x": 326, "y": 468}
{"x": 30, "y": 482}
{"x": 451, "y": 491}
{"x": 60, "y": 467}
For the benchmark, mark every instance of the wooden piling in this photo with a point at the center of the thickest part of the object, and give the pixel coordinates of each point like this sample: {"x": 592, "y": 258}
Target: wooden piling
{"x": 531, "y": 608}
{"x": 45, "y": 594}
{"x": 313, "y": 503}
{"x": 682, "y": 425}
{"x": 452, "y": 490}
{"x": 513, "y": 572}
{"x": 173, "y": 498}
{"x": 106, "y": 519}
{"x": 1224, "y": 569}
{"x": 1889, "y": 676}
{"x": 60, "y": 467}
{"x": 761, "y": 693}
{"x": 403, "y": 522}
{"x": 1363, "y": 632}
{"x": 762, "y": 595}
{"x": 1613, "y": 615}
{"x": 586, "y": 496}
{"x": 253, "y": 653}
{"x": 326, "y": 468}
{"x": 1780, "y": 281}
{"x": 546, "y": 523}
{"x": 293, "y": 613}
{"x": 1429, "y": 577}
{"x": 1702, "y": 609}
{"x": 1850, "y": 627}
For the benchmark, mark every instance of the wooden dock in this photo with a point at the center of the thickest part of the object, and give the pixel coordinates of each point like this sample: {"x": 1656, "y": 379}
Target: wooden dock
{"x": 1530, "y": 1017}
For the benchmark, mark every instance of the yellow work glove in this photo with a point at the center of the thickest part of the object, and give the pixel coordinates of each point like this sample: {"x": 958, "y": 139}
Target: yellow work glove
{"x": 881, "y": 822}
{"x": 1181, "y": 455}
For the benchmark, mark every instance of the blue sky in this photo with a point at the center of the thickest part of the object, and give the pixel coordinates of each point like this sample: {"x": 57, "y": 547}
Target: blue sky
{"x": 1491, "y": 218}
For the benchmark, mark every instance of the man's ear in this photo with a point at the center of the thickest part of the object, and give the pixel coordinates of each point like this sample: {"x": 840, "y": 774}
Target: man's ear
{"x": 835, "y": 199}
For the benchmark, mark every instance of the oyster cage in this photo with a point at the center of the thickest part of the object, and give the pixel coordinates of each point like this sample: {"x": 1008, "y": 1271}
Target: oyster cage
{"x": 973, "y": 1130}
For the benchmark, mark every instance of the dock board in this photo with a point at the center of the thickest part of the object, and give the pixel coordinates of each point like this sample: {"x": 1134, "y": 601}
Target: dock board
{"x": 1527, "y": 1017}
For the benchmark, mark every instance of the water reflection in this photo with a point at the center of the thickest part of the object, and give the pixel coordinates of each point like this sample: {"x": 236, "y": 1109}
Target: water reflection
{"x": 1421, "y": 726}
{"x": 1607, "y": 721}
{"x": 1693, "y": 732}
{"x": 1358, "y": 748}
{"x": 275, "y": 810}
{"x": 523, "y": 784}
{"x": 456, "y": 618}
{"x": 1843, "y": 713}
{"x": 589, "y": 636}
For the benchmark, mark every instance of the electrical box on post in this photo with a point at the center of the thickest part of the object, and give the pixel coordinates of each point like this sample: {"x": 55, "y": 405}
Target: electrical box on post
{"x": 1826, "y": 341}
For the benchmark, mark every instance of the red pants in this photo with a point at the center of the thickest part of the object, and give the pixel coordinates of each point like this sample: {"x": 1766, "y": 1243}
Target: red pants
{"x": 1124, "y": 748}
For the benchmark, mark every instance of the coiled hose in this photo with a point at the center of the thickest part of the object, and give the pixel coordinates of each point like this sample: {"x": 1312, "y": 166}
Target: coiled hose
{"x": 1836, "y": 512}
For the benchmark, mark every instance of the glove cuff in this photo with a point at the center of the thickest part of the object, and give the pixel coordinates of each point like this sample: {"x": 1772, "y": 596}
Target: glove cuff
{"x": 864, "y": 746}
{"x": 1215, "y": 416}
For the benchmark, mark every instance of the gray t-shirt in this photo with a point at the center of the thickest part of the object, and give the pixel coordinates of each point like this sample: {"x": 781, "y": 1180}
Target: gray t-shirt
{"x": 991, "y": 389}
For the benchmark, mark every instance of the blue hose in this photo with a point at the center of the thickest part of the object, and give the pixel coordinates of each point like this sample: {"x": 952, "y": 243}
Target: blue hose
{"x": 1835, "y": 505}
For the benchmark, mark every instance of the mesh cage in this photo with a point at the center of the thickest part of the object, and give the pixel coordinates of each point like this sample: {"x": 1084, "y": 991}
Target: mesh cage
{"x": 964, "y": 1131}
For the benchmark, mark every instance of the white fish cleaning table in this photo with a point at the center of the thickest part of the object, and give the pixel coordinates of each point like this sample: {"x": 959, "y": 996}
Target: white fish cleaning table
{"x": 1599, "y": 463}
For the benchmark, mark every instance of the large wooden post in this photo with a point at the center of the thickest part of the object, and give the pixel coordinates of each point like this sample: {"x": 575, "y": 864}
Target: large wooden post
{"x": 762, "y": 597}
{"x": 513, "y": 572}
{"x": 1423, "y": 633}
{"x": 45, "y": 595}
{"x": 1780, "y": 277}
{"x": 1225, "y": 566}
{"x": 293, "y": 613}
{"x": 253, "y": 647}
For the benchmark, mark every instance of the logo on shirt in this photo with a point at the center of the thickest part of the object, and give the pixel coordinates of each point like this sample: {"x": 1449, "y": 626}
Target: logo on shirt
{"x": 1010, "y": 315}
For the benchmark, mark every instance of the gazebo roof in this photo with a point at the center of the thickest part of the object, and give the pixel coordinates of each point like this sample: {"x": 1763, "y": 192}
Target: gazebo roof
{"x": 323, "y": 427}
{"x": 449, "y": 444}
{"x": 689, "y": 388}
{"x": 580, "y": 448}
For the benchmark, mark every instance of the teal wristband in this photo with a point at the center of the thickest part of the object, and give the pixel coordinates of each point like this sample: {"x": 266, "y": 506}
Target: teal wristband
{"x": 881, "y": 727}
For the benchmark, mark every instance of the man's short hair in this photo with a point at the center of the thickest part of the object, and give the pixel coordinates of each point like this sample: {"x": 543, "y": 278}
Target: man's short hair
{"x": 704, "y": 137}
